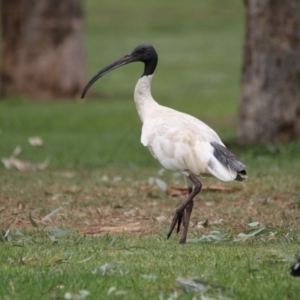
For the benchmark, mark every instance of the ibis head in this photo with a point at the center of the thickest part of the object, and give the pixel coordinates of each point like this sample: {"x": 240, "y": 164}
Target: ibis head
{"x": 144, "y": 53}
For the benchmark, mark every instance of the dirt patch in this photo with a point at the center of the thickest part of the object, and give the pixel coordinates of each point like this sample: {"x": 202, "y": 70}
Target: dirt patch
{"x": 138, "y": 207}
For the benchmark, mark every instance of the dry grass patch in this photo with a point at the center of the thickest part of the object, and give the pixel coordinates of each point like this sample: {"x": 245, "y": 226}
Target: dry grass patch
{"x": 115, "y": 204}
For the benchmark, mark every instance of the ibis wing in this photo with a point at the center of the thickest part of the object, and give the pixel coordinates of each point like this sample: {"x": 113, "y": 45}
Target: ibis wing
{"x": 228, "y": 159}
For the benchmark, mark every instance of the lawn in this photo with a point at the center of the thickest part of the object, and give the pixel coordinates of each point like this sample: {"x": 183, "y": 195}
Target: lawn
{"x": 92, "y": 223}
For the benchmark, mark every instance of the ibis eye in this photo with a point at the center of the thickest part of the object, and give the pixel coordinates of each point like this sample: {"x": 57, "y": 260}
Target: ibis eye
{"x": 142, "y": 50}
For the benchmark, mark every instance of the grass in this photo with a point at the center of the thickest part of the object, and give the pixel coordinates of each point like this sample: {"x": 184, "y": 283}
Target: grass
{"x": 93, "y": 221}
{"x": 143, "y": 267}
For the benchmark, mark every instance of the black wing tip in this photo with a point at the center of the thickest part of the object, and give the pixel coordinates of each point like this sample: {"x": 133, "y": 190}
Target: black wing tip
{"x": 241, "y": 176}
{"x": 228, "y": 159}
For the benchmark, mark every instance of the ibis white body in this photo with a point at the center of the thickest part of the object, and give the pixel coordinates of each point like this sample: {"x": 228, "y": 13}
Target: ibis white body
{"x": 180, "y": 142}
{"x": 177, "y": 140}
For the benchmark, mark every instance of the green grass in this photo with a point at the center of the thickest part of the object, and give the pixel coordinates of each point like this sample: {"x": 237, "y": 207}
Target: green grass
{"x": 98, "y": 173}
{"x": 47, "y": 267}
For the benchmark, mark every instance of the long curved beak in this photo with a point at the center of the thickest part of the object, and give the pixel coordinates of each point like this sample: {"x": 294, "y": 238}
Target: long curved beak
{"x": 126, "y": 59}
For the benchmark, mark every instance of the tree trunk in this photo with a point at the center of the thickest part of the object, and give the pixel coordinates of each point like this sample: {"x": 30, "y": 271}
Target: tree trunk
{"x": 270, "y": 95}
{"x": 42, "y": 48}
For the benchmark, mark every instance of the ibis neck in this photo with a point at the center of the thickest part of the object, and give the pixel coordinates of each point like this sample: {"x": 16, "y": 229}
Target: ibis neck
{"x": 144, "y": 102}
{"x": 150, "y": 65}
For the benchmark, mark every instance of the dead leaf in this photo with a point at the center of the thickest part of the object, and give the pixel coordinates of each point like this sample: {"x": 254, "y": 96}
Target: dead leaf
{"x": 220, "y": 221}
{"x": 220, "y": 187}
{"x": 36, "y": 141}
{"x": 43, "y": 165}
{"x": 160, "y": 183}
{"x": 134, "y": 227}
{"x": 76, "y": 295}
{"x": 51, "y": 214}
{"x": 18, "y": 164}
{"x": 177, "y": 191}
{"x": 23, "y": 165}
{"x": 16, "y": 151}
{"x": 182, "y": 191}
{"x": 161, "y": 218}
{"x": 198, "y": 284}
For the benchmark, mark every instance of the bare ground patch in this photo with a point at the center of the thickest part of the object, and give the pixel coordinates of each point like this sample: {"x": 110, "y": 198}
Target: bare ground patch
{"x": 135, "y": 206}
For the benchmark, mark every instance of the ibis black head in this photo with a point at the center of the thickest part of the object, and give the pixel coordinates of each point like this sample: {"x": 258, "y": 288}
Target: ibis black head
{"x": 144, "y": 53}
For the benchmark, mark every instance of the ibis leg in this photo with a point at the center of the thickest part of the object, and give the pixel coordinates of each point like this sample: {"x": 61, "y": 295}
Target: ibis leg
{"x": 183, "y": 212}
{"x": 181, "y": 217}
{"x": 190, "y": 190}
{"x": 187, "y": 215}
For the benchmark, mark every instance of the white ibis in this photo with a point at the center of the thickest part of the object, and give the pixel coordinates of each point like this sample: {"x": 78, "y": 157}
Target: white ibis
{"x": 177, "y": 140}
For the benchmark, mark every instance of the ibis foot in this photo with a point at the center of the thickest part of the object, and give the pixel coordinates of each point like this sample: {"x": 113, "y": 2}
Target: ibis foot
{"x": 183, "y": 212}
{"x": 177, "y": 219}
